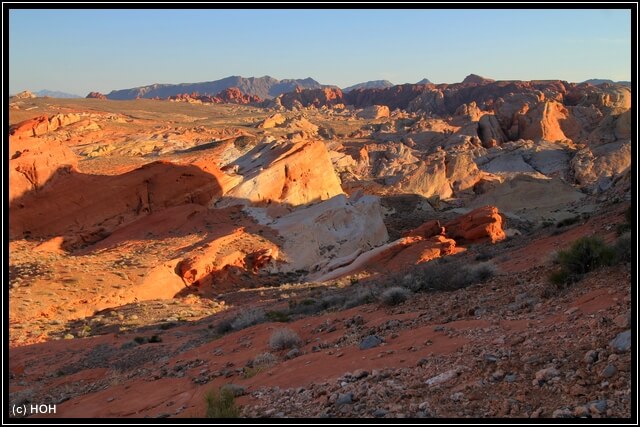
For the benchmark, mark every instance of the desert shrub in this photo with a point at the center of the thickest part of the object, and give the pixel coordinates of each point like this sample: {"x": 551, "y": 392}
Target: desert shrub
{"x": 359, "y": 296}
{"x": 568, "y": 221}
{"x": 448, "y": 275}
{"x": 259, "y": 364}
{"x": 626, "y": 226}
{"x": 277, "y": 316}
{"x": 478, "y": 273}
{"x": 221, "y": 404}
{"x": 483, "y": 256}
{"x": 584, "y": 255}
{"x": 155, "y": 339}
{"x": 248, "y": 318}
{"x": 284, "y": 338}
{"x": 265, "y": 359}
{"x": 395, "y": 295}
{"x": 622, "y": 248}
{"x": 224, "y": 326}
{"x": 140, "y": 340}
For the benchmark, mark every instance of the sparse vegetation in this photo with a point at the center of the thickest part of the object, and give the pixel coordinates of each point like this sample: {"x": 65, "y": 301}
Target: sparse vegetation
{"x": 568, "y": 221}
{"x": 221, "y": 404}
{"x": 395, "y": 295}
{"x": 584, "y": 255}
{"x": 622, "y": 248}
{"x": 248, "y": 318}
{"x": 625, "y": 226}
{"x": 447, "y": 275}
{"x": 283, "y": 339}
{"x": 277, "y": 316}
{"x": 259, "y": 364}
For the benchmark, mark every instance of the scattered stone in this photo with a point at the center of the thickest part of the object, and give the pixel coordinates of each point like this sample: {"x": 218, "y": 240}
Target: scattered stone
{"x": 623, "y": 321}
{"x": 360, "y": 373}
{"x": 562, "y": 413}
{"x": 598, "y": 407}
{"x": 370, "y": 342}
{"x": 609, "y": 371}
{"x": 345, "y": 399}
{"x": 510, "y": 378}
{"x": 581, "y": 412}
{"x": 443, "y": 377}
{"x": 590, "y": 357}
{"x": 622, "y": 342}
{"x": 544, "y": 375}
{"x": 293, "y": 353}
{"x": 379, "y": 413}
{"x": 422, "y": 362}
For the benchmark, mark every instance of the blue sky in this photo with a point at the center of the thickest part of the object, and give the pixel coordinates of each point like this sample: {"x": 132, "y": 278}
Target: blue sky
{"x": 78, "y": 51}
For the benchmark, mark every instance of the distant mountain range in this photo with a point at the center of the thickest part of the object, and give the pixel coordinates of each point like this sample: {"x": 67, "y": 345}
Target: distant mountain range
{"x": 597, "y": 82}
{"x": 55, "y": 94}
{"x": 265, "y": 87}
{"x": 373, "y": 84}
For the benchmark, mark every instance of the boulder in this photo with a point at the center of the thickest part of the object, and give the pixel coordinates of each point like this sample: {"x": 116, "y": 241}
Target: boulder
{"x": 598, "y": 167}
{"x": 490, "y": 132}
{"x": 286, "y": 173}
{"x": 374, "y": 112}
{"x": 481, "y": 224}
{"x": 272, "y": 121}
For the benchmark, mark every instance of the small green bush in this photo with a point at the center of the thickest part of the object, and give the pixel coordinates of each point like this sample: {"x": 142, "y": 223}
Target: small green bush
{"x": 277, "y": 316}
{"x": 221, "y": 404}
{"x": 585, "y": 255}
{"x": 622, "y": 248}
{"x": 395, "y": 295}
{"x": 155, "y": 339}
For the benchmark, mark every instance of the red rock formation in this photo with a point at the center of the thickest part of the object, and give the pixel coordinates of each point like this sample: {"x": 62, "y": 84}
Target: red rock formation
{"x": 31, "y": 127}
{"x": 96, "y": 95}
{"x": 40, "y": 125}
{"x": 478, "y": 225}
{"x": 312, "y": 97}
{"x": 426, "y": 230}
{"x": 88, "y": 208}
{"x": 550, "y": 121}
{"x": 34, "y": 161}
{"x": 232, "y": 95}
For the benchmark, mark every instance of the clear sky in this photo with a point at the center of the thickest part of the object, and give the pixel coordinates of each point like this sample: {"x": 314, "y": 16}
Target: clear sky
{"x": 78, "y": 51}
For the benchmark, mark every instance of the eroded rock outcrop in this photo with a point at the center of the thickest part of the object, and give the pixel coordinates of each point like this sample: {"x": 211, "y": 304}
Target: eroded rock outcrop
{"x": 284, "y": 173}
{"x": 478, "y": 225}
{"x": 96, "y": 95}
{"x": 34, "y": 161}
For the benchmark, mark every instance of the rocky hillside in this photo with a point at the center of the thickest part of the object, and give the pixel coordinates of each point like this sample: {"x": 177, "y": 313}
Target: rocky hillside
{"x": 412, "y": 251}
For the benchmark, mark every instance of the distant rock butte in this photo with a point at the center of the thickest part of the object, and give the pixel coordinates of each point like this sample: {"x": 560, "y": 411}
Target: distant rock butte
{"x": 96, "y": 95}
{"x": 476, "y": 79}
{"x": 25, "y": 94}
